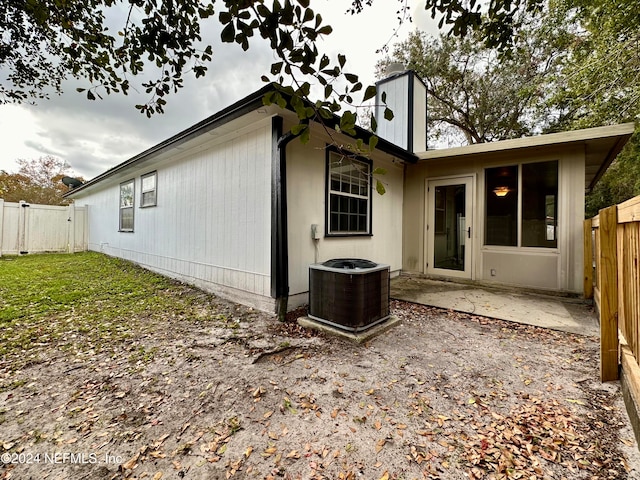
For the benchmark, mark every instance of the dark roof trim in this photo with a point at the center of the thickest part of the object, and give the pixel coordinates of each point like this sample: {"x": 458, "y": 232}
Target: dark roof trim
{"x": 226, "y": 115}
{"x": 236, "y": 110}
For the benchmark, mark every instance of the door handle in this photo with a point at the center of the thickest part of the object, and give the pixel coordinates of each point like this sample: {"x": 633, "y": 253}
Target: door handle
{"x": 469, "y": 232}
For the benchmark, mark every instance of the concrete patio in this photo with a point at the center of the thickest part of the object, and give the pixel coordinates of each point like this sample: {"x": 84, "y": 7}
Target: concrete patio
{"x": 573, "y": 315}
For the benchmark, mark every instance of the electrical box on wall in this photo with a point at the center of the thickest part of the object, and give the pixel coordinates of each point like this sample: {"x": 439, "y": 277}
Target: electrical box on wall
{"x": 315, "y": 231}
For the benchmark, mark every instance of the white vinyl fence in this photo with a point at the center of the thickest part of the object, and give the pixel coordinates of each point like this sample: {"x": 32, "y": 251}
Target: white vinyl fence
{"x": 29, "y": 228}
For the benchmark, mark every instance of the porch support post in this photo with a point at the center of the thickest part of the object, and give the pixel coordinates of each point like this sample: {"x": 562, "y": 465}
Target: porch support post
{"x": 608, "y": 285}
{"x": 588, "y": 259}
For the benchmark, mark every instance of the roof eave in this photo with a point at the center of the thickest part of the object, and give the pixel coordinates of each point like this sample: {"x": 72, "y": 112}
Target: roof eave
{"x": 228, "y": 114}
{"x": 622, "y": 130}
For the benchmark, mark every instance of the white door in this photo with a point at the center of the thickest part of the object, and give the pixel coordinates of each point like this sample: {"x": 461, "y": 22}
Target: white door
{"x": 449, "y": 227}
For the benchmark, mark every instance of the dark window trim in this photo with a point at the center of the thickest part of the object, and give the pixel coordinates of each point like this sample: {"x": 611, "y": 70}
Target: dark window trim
{"x": 327, "y": 192}
{"x": 155, "y": 189}
{"x": 133, "y": 204}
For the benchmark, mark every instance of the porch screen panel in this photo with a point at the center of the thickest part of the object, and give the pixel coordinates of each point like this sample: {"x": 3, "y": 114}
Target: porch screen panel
{"x": 540, "y": 204}
{"x": 501, "y": 200}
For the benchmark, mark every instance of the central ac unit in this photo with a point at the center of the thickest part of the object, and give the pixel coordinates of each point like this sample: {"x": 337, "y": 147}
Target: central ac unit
{"x": 350, "y": 294}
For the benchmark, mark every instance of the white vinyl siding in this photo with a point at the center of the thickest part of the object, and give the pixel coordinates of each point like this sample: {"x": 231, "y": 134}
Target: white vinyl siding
{"x": 213, "y": 226}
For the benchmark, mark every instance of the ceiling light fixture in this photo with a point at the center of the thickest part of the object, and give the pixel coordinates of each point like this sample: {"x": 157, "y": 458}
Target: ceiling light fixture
{"x": 501, "y": 191}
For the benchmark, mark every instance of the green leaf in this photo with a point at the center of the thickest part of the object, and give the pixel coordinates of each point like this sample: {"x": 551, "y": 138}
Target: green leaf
{"x": 380, "y": 187}
{"x": 379, "y": 171}
{"x": 228, "y": 34}
{"x": 268, "y": 98}
{"x": 373, "y": 141}
{"x": 388, "y": 114}
{"x": 324, "y": 62}
{"x": 299, "y": 128}
{"x": 328, "y": 90}
{"x": 369, "y": 93}
{"x": 348, "y": 122}
{"x": 342, "y": 60}
{"x": 305, "y": 135}
{"x": 351, "y": 78}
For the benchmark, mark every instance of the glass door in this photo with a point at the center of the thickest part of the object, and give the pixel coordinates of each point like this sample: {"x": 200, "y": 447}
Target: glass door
{"x": 449, "y": 227}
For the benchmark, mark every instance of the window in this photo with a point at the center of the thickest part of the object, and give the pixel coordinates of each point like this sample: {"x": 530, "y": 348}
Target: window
{"x": 349, "y": 195}
{"x": 126, "y": 206}
{"x": 539, "y": 204}
{"x": 501, "y": 226}
{"x": 522, "y": 205}
{"x": 148, "y": 195}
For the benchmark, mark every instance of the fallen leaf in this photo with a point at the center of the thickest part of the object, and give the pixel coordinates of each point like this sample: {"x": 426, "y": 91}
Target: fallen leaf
{"x": 129, "y": 464}
{"x": 269, "y": 451}
{"x": 248, "y": 451}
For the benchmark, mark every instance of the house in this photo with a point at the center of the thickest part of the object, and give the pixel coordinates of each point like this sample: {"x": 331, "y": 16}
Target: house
{"x": 237, "y": 206}
{"x": 234, "y": 203}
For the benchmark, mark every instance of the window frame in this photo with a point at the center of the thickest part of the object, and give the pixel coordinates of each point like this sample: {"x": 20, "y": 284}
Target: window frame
{"x": 153, "y": 175}
{"x": 131, "y": 182}
{"x": 368, "y": 163}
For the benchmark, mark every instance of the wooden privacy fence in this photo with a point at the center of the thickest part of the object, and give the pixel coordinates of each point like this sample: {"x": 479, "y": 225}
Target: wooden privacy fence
{"x": 30, "y": 228}
{"x": 612, "y": 246}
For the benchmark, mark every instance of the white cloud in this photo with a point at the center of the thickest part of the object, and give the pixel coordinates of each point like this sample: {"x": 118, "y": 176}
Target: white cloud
{"x": 94, "y": 136}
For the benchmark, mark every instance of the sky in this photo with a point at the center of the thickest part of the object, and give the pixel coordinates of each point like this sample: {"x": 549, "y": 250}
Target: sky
{"x": 93, "y": 136}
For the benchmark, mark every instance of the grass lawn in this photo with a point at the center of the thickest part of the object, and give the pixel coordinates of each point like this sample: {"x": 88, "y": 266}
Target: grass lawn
{"x": 83, "y": 303}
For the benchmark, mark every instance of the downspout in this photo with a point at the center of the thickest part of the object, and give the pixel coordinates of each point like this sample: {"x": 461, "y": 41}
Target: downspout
{"x": 279, "y": 231}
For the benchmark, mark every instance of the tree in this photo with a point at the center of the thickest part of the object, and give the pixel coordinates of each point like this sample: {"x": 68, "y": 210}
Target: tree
{"x": 599, "y": 81}
{"x": 619, "y": 183}
{"x": 47, "y": 41}
{"x": 36, "y": 181}
{"x": 474, "y": 91}
{"x": 598, "y": 85}
{"x": 496, "y": 25}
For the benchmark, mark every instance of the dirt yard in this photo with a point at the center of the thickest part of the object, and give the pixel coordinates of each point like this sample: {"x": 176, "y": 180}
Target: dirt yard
{"x": 229, "y": 392}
